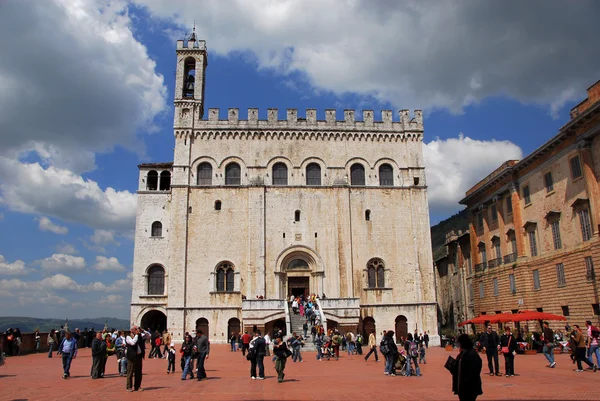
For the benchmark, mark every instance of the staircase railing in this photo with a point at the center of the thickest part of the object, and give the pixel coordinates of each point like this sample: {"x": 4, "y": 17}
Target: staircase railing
{"x": 322, "y": 315}
{"x": 288, "y": 319}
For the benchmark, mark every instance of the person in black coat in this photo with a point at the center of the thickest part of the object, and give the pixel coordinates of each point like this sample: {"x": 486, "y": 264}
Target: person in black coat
{"x": 508, "y": 346}
{"x": 490, "y": 342}
{"x": 466, "y": 373}
{"x": 257, "y": 347}
{"x": 392, "y": 356}
{"x": 98, "y": 355}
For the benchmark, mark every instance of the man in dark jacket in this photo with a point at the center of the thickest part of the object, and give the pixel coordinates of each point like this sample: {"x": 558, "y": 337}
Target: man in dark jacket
{"x": 203, "y": 349}
{"x": 466, "y": 372}
{"x": 490, "y": 341}
{"x": 257, "y": 352}
{"x": 548, "y": 340}
{"x": 98, "y": 354}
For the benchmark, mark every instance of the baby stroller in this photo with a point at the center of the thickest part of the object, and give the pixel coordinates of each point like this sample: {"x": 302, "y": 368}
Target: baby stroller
{"x": 327, "y": 351}
{"x": 401, "y": 364}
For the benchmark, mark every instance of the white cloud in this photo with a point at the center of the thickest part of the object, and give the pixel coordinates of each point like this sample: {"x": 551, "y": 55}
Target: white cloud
{"x": 60, "y": 262}
{"x": 111, "y": 299}
{"x": 16, "y": 268}
{"x": 104, "y": 237}
{"x": 108, "y": 264}
{"x": 66, "y": 248}
{"x": 61, "y": 282}
{"x": 414, "y": 54}
{"x": 456, "y": 164}
{"x": 53, "y": 299}
{"x": 47, "y": 225}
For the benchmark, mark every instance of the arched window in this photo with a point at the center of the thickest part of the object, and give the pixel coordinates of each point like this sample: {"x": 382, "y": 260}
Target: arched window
{"x": 218, "y": 205}
{"x": 367, "y": 215}
{"x": 233, "y": 174}
{"x": 357, "y": 174}
{"x": 376, "y": 273}
{"x": 204, "y": 174}
{"x": 280, "y": 174}
{"x": 297, "y": 215}
{"x": 189, "y": 77}
{"x": 225, "y": 277}
{"x": 297, "y": 264}
{"x": 386, "y": 175}
{"x": 165, "y": 181}
{"x": 313, "y": 174}
{"x": 152, "y": 181}
{"x": 156, "y": 280}
{"x": 157, "y": 229}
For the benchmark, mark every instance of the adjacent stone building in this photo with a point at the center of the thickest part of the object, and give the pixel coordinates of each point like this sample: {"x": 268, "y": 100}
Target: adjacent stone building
{"x": 252, "y": 211}
{"x": 534, "y": 225}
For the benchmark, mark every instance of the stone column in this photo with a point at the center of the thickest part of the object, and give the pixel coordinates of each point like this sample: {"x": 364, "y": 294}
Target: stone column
{"x": 591, "y": 182}
{"x": 517, "y": 219}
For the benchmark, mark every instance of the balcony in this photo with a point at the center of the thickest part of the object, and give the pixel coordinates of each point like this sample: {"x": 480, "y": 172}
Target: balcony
{"x": 479, "y": 267}
{"x": 495, "y": 262}
{"x": 510, "y": 258}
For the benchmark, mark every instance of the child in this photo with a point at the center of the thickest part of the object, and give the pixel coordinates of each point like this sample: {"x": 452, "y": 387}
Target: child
{"x": 422, "y": 354}
{"x": 171, "y": 358}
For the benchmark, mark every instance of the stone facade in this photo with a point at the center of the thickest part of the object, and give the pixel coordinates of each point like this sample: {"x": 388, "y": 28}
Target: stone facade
{"x": 258, "y": 209}
{"x": 534, "y": 226}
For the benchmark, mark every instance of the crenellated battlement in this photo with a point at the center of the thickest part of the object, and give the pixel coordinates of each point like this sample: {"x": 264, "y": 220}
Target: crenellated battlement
{"x": 191, "y": 45}
{"x": 404, "y": 123}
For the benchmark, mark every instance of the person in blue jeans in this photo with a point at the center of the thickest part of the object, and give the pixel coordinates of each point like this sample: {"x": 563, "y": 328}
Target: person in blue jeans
{"x": 592, "y": 342}
{"x": 68, "y": 349}
{"x": 187, "y": 348}
{"x": 391, "y": 354}
{"x": 548, "y": 339}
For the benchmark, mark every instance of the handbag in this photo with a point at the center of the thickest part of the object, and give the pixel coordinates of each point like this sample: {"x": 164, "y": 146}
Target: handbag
{"x": 450, "y": 364}
{"x": 505, "y": 350}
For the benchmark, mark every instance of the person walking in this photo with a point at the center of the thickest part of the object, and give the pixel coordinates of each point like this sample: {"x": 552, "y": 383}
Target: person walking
{"x": 256, "y": 354}
{"x": 359, "y": 343}
{"x": 166, "y": 338}
{"x": 98, "y": 355}
{"x": 548, "y": 340}
{"x": 187, "y": 348}
{"x": 372, "y": 346}
{"x": 68, "y": 349}
{"x": 51, "y": 342}
{"x": 580, "y": 349}
{"x": 490, "y": 341}
{"x": 203, "y": 350}
{"x": 245, "y": 342}
{"x": 38, "y": 340}
{"x": 267, "y": 338}
{"x": 135, "y": 353}
{"x": 171, "y": 355}
{"x": 281, "y": 351}
{"x": 508, "y": 347}
{"x": 426, "y": 339}
{"x": 592, "y": 342}
{"x": 466, "y": 371}
{"x": 233, "y": 341}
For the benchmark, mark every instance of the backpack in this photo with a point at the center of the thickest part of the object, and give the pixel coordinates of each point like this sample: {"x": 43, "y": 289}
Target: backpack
{"x": 359, "y": 339}
{"x": 413, "y": 349}
{"x": 384, "y": 348}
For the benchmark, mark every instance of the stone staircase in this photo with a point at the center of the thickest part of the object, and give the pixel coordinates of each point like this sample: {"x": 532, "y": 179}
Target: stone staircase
{"x": 296, "y": 322}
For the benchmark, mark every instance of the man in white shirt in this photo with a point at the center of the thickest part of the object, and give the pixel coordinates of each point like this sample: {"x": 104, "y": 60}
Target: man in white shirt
{"x": 135, "y": 352}
{"x": 267, "y": 344}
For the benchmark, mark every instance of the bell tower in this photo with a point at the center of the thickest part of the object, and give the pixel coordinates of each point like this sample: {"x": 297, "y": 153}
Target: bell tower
{"x": 189, "y": 83}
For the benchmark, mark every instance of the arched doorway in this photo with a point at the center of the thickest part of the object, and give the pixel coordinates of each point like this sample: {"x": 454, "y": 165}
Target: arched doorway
{"x": 202, "y": 324}
{"x": 331, "y": 324}
{"x": 154, "y": 320}
{"x": 233, "y": 326}
{"x": 368, "y": 326}
{"x": 274, "y": 326}
{"x": 401, "y": 327}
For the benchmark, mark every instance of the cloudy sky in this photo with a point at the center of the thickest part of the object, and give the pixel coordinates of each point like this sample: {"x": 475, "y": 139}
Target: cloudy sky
{"x": 86, "y": 90}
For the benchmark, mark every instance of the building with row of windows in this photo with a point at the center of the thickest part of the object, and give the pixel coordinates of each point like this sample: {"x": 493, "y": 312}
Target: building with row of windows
{"x": 533, "y": 234}
{"x": 252, "y": 211}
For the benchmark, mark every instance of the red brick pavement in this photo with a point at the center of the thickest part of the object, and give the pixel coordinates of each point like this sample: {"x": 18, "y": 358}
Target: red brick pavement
{"x": 36, "y": 377}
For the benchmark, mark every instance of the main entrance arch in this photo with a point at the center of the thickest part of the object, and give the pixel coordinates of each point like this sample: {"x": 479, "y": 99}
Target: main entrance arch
{"x": 300, "y": 272}
{"x": 154, "y": 320}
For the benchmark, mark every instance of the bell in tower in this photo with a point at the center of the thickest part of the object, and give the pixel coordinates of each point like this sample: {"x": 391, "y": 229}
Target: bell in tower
{"x": 188, "y": 90}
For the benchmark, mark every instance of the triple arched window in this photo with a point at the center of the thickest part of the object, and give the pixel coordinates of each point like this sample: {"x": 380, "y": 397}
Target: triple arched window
{"x": 376, "y": 273}
{"x": 156, "y": 280}
{"x": 225, "y": 277}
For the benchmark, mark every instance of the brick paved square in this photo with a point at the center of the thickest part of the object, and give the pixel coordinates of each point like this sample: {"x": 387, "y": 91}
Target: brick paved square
{"x": 36, "y": 377}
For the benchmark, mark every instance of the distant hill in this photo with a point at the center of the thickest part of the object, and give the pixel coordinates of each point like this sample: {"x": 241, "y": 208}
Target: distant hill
{"x": 459, "y": 221}
{"x": 30, "y": 324}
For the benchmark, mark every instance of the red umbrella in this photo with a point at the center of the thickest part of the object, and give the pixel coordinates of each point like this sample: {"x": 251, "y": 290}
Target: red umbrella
{"x": 534, "y": 315}
{"x": 482, "y": 319}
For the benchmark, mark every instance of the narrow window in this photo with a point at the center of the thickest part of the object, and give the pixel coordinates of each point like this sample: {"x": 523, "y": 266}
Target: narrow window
{"x": 189, "y": 210}
{"x": 536, "y": 280}
{"x": 165, "y": 181}
{"x": 469, "y": 265}
{"x": 386, "y": 175}
{"x": 315, "y": 235}
{"x": 152, "y": 181}
{"x": 157, "y": 229}
{"x": 526, "y": 195}
{"x": 280, "y": 174}
{"x": 481, "y": 290}
{"x": 380, "y": 277}
{"x": 565, "y": 310}
{"x": 513, "y": 243}
{"x": 357, "y": 174}
{"x": 229, "y": 279}
{"x": 220, "y": 280}
{"x": 560, "y": 275}
{"x": 283, "y": 235}
{"x": 313, "y": 174}
{"x": 586, "y": 225}
{"x": 590, "y": 275}
{"x": 575, "y": 168}
{"x": 297, "y": 215}
{"x": 556, "y": 234}
{"x": 156, "y": 280}
{"x": 549, "y": 182}
{"x": 509, "y": 208}
{"x": 204, "y": 174}
{"x": 480, "y": 222}
{"x": 497, "y": 250}
{"x": 416, "y": 180}
{"x": 496, "y": 291}
{"x": 371, "y": 277}
{"x": 532, "y": 243}
{"x": 513, "y": 284}
{"x": 367, "y": 215}
{"x": 494, "y": 213}
{"x": 218, "y": 205}
{"x": 232, "y": 174}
